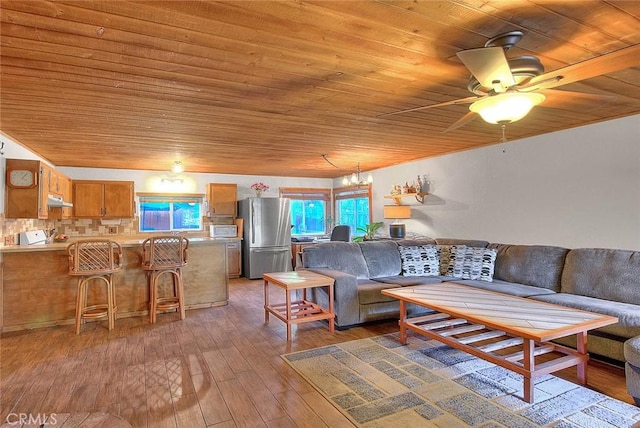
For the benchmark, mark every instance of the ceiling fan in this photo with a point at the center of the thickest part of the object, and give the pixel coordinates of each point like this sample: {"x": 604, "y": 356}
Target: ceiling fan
{"x": 506, "y": 89}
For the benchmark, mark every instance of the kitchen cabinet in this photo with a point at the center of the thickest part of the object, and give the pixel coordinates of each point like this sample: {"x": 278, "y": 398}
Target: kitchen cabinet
{"x": 29, "y": 184}
{"x": 234, "y": 261}
{"x": 103, "y": 199}
{"x": 223, "y": 199}
{"x": 60, "y": 185}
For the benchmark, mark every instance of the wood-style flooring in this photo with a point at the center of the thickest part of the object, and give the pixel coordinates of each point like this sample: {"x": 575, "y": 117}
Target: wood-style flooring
{"x": 219, "y": 367}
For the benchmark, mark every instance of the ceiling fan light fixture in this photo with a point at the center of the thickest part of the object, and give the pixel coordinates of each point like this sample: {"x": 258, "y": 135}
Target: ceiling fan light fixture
{"x": 506, "y": 107}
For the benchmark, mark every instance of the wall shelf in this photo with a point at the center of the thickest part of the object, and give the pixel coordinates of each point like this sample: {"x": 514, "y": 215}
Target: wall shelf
{"x": 398, "y": 198}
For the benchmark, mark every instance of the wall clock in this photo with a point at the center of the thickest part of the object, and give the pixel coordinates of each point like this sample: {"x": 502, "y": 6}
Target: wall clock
{"x": 22, "y": 178}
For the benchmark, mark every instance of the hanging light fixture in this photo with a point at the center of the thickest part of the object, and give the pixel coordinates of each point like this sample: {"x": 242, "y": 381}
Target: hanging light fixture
{"x": 177, "y": 167}
{"x": 506, "y": 107}
{"x": 356, "y": 179}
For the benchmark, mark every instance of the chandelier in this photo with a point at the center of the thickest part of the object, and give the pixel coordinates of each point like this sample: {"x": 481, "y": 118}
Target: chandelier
{"x": 356, "y": 180}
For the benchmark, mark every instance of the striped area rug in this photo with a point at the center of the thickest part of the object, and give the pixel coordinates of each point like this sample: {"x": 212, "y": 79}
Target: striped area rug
{"x": 377, "y": 382}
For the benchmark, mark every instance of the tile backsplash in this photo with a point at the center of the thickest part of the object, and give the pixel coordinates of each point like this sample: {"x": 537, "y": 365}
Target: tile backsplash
{"x": 79, "y": 228}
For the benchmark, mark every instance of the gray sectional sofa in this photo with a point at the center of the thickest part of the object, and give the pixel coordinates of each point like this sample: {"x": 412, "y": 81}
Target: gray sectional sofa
{"x": 600, "y": 280}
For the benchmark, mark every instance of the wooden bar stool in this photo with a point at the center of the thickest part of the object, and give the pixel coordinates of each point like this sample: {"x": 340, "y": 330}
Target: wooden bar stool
{"x": 165, "y": 255}
{"x": 94, "y": 261}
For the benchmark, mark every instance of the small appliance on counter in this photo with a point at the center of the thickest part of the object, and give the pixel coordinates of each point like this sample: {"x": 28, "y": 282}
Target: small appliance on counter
{"x": 33, "y": 237}
{"x": 223, "y": 231}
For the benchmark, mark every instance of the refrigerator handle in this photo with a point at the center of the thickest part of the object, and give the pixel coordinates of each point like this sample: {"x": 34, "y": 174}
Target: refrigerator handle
{"x": 253, "y": 222}
{"x": 270, "y": 250}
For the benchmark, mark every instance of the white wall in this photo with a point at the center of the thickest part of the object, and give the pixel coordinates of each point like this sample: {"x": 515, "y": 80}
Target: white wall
{"x": 573, "y": 188}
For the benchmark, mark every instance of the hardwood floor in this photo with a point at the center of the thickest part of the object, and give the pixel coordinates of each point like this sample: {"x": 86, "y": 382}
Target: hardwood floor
{"x": 219, "y": 367}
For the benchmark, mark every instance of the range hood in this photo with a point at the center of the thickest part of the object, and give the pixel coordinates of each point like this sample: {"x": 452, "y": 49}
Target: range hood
{"x": 57, "y": 201}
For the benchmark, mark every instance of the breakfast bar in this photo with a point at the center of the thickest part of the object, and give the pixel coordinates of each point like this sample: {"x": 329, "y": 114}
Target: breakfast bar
{"x": 37, "y": 290}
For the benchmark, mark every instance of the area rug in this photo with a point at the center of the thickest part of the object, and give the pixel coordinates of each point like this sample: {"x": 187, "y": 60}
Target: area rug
{"x": 377, "y": 382}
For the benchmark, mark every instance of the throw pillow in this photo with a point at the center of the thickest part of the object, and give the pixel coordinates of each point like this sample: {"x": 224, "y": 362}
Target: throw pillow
{"x": 448, "y": 254}
{"x": 477, "y": 263}
{"x": 419, "y": 260}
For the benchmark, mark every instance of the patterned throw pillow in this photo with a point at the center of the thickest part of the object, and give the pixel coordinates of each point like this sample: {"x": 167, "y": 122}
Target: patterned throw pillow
{"x": 419, "y": 260}
{"x": 475, "y": 263}
{"x": 448, "y": 255}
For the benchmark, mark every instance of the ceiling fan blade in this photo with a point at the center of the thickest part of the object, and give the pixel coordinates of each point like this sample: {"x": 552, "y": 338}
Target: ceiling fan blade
{"x": 488, "y": 65}
{"x": 446, "y": 103}
{"x": 594, "y": 67}
{"x": 569, "y": 99}
{"x": 462, "y": 121}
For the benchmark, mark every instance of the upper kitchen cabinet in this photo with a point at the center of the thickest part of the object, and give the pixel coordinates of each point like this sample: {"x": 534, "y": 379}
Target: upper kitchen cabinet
{"x": 223, "y": 199}
{"x": 103, "y": 199}
{"x": 29, "y": 185}
{"x": 59, "y": 186}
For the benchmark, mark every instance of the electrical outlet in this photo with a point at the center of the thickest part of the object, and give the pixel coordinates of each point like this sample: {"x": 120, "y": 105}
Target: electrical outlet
{"x": 10, "y": 240}
{"x": 112, "y": 230}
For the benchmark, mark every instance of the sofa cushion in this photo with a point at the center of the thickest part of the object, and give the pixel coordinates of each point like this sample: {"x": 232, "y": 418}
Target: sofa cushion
{"x": 477, "y": 263}
{"x": 628, "y": 315}
{"x": 602, "y": 273}
{"x": 408, "y": 242}
{"x": 447, "y": 261}
{"x": 514, "y": 289}
{"x": 537, "y": 265}
{"x": 369, "y": 292}
{"x": 419, "y": 260}
{"x": 410, "y": 280}
{"x": 382, "y": 258}
{"x": 632, "y": 351}
{"x": 337, "y": 255}
{"x": 467, "y": 242}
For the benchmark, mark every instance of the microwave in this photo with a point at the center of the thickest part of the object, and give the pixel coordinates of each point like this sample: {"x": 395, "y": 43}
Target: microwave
{"x": 223, "y": 231}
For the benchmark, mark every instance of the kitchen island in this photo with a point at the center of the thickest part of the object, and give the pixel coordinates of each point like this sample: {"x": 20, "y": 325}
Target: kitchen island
{"x": 37, "y": 290}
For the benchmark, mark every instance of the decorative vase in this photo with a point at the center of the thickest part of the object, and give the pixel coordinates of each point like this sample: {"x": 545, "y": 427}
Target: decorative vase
{"x": 258, "y": 193}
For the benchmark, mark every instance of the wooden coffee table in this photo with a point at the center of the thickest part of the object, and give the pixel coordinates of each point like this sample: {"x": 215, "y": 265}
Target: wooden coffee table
{"x": 298, "y": 311}
{"x": 506, "y": 330}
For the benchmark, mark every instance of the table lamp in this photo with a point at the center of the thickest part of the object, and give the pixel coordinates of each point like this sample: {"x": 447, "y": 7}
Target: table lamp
{"x": 396, "y": 212}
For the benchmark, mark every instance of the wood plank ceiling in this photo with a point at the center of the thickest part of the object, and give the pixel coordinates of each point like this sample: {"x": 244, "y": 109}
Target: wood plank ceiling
{"x": 268, "y": 87}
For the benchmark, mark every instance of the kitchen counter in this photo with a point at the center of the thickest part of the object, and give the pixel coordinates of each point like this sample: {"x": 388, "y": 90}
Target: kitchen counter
{"x": 37, "y": 290}
{"x": 125, "y": 242}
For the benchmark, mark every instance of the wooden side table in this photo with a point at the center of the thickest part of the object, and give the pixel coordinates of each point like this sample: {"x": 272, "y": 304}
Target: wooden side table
{"x": 298, "y": 311}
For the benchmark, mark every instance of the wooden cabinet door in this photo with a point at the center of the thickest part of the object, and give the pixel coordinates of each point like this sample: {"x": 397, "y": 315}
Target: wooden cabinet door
{"x": 55, "y": 178}
{"x": 88, "y": 199}
{"x": 67, "y": 194}
{"x": 223, "y": 199}
{"x": 234, "y": 267}
{"x": 45, "y": 182}
{"x": 108, "y": 199}
{"x": 66, "y": 191}
{"x": 118, "y": 199}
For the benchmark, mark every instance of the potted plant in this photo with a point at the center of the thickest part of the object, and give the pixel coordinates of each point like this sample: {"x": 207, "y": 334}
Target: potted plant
{"x": 369, "y": 231}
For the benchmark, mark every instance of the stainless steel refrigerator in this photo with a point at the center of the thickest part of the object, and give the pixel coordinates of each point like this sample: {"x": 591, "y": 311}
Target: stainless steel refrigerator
{"x": 266, "y": 244}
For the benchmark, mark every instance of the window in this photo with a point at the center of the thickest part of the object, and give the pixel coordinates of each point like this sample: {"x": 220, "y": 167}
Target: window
{"x": 170, "y": 212}
{"x": 309, "y": 210}
{"x": 353, "y": 207}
